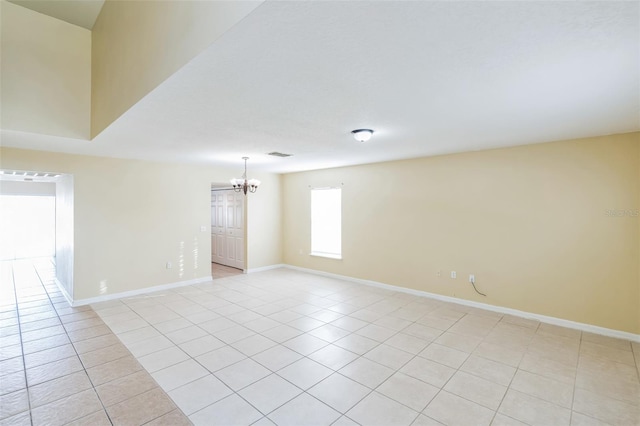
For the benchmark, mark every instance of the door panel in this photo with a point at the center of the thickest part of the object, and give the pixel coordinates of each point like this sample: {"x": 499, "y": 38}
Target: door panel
{"x": 227, "y": 228}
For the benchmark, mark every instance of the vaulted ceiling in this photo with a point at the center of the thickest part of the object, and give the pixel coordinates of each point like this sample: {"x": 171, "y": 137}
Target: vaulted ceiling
{"x": 429, "y": 77}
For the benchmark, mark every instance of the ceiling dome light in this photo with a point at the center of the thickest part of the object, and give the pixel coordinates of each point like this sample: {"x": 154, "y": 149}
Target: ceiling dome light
{"x": 362, "y": 135}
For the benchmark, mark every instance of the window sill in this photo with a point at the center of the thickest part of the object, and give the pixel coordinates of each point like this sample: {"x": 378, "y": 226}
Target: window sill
{"x": 327, "y": 255}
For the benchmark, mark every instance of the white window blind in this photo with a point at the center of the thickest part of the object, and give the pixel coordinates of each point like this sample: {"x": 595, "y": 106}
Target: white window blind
{"x": 326, "y": 222}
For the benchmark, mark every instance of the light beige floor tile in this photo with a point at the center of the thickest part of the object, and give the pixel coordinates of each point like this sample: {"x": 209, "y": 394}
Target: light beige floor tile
{"x": 490, "y": 370}
{"x": 499, "y": 353}
{"x": 303, "y": 409}
{"x": 305, "y": 344}
{"x": 95, "y": 343}
{"x": 389, "y": 356}
{"x": 423, "y": 420}
{"x": 88, "y": 333}
{"x": 199, "y": 394}
{"x": 349, "y": 323}
{"x": 305, "y": 373}
{"x": 49, "y": 355}
{"x": 550, "y": 390}
{"x": 99, "y": 418}
{"x": 233, "y": 334}
{"x": 559, "y": 331}
{"x": 220, "y": 358}
{"x": 12, "y": 382}
{"x": 163, "y": 359}
{"x": 333, "y": 357}
{"x": 378, "y": 333}
{"x": 253, "y": 345}
{"x": 377, "y": 409}
{"x": 83, "y": 324}
{"x": 126, "y": 387}
{"x": 366, "y": 372}
{"x": 179, "y": 374}
{"x": 357, "y": 344}
{"x": 42, "y": 344}
{"x": 242, "y": 374}
{"x": 607, "y": 352}
{"x": 606, "y": 341}
{"x": 578, "y": 419}
{"x": 138, "y": 335}
{"x": 13, "y": 403}
{"x": 453, "y": 410}
{"x": 172, "y": 418}
{"x": 428, "y": 371}
{"x": 53, "y": 370}
{"x": 532, "y": 410}
{"x": 625, "y": 389}
{"x": 444, "y": 355}
{"x": 104, "y": 355}
{"x": 305, "y": 324}
{"x": 411, "y": 392}
{"x": 62, "y": 387}
{"x": 67, "y": 409}
{"x": 141, "y": 408}
{"x": 43, "y": 332}
{"x": 339, "y": 392}
{"x": 201, "y": 346}
{"x": 21, "y": 419}
{"x": 476, "y": 389}
{"x": 407, "y": 343}
{"x": 277, "y": 357}
{"x": 113, "y": 370}
{"x": 605, "y": 409}
{"x": 329, "y": 333}
{"x": 502, "y": 420}
{"x": 456, "y": 341}
{"x": 269, "y": 393}
{"x": 548, "y": 368}
{"x": 149, "y": 346}
{"x": 232, "y": 410}
{"x": 422, "y": 332}
{"x": 281, "y": 333}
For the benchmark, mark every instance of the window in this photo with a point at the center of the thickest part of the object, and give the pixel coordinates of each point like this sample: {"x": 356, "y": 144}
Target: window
{"x": 326, "y": 222}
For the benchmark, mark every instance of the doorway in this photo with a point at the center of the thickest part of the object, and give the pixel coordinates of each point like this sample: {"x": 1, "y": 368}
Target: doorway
{"x": 36, "y": 221}
{"x": 227, "y": 228}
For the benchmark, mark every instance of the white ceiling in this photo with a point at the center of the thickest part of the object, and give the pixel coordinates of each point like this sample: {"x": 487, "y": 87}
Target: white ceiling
{"x": 78, "y": 12}
{"x": 429, "y": 77}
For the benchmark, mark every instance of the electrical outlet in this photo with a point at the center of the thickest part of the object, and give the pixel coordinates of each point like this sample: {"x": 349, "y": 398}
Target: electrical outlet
{"x": 439, "y": 274}
{"x": 472, "y": 279}
{"x": 453, "y": 274}
{"x": 203, "y": 228}
{"x": 169, "y": 265}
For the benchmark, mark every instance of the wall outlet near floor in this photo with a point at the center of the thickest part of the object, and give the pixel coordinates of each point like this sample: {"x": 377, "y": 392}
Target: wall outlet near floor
{"x": 453, "y": 274}
{"x": 439, "y": 274}
{"x": 472, "y": 279}
{"x": 169, "y": 265}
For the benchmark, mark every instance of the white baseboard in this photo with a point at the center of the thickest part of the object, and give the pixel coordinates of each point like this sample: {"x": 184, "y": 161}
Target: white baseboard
{"x": 264, "y": 268}
{"x": 138, "y": 292}
{"x": 499, "y": 309}
{"x": 64, "y": 292}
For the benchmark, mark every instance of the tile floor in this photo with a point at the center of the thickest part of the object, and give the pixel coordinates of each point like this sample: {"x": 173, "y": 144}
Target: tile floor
{"x": 223, "y": 271}
{"x": 288, "y": 348}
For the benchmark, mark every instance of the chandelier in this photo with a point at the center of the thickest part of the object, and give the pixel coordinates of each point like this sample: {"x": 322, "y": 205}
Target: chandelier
{"x": 243, "y": 184}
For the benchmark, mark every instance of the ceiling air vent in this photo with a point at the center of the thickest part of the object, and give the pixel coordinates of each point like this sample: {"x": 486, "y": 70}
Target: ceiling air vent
{"x": 279, "y": 154}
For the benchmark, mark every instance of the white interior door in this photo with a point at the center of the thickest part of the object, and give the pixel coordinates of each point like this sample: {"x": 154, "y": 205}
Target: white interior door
{"x": 218, "y": 230}
{"x": 227, "y": 228}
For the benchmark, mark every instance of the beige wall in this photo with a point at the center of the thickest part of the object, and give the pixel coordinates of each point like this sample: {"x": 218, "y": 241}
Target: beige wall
{"x": 131, "y": 217}
{"x": 528, "y": 221}
{"x": 138, "y": 44}
{"x": 45, "y": 84}
{"x": 265, "y": 222}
